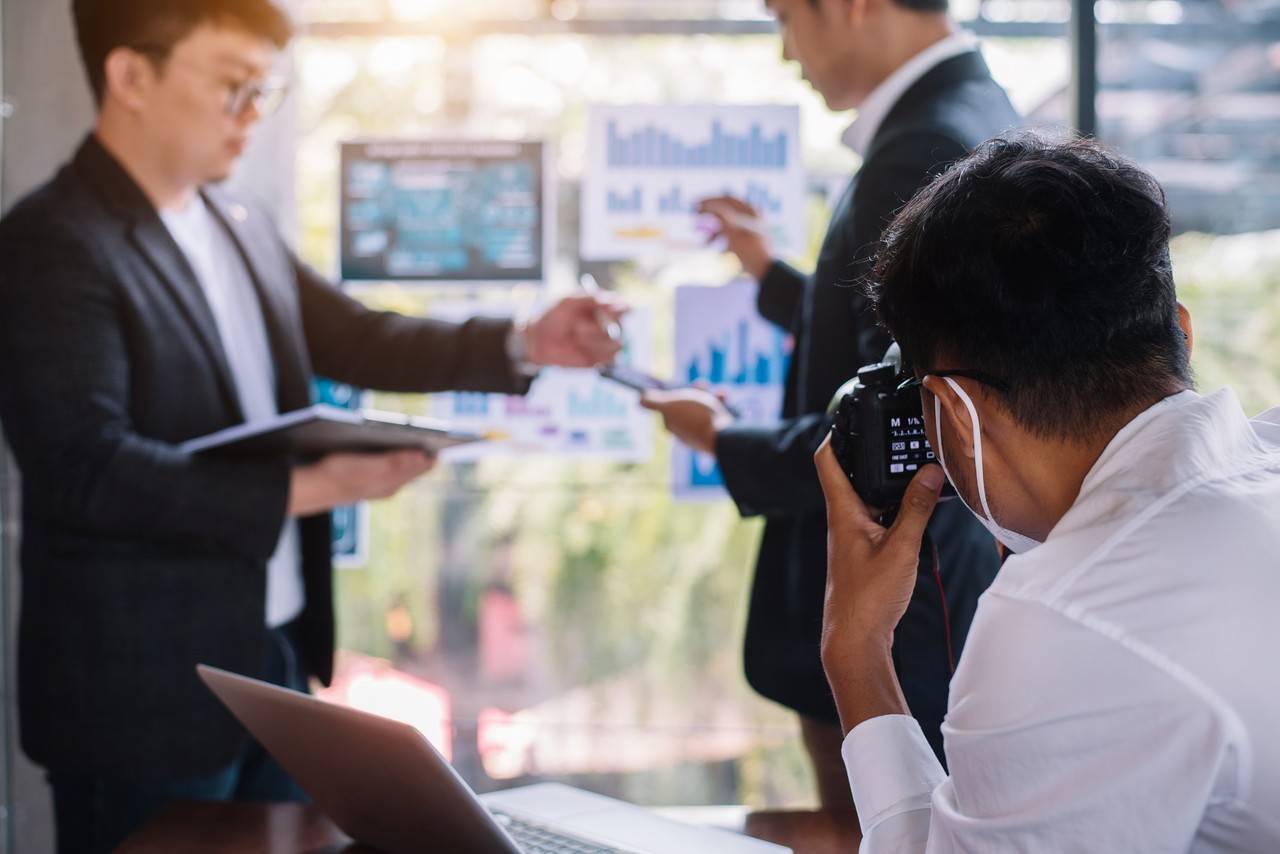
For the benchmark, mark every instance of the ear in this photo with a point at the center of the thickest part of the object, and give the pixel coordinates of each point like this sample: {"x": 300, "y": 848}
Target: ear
{"x": 1184, "y": 320}
{"x": 955, "y": 415}
{"x": 128, "y": 76}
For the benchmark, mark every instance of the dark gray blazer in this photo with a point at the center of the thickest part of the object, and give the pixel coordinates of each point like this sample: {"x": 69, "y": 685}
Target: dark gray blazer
{"x": 769, "y": 471}
{"x": 139, "y": 561}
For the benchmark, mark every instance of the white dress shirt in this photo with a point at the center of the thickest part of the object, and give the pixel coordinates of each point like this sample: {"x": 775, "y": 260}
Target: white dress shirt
{"x": 237, "y": 312}
{"x": 1118, "y": 690}
{"x": 875, "y": 109}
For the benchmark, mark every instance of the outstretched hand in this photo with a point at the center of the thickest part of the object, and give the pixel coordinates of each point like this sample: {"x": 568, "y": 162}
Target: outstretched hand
{"x": 576, "y": 332}
{"x": 341, "y": 479}
{"x": 695, "y": 416}
{"x": 740, "y": 226}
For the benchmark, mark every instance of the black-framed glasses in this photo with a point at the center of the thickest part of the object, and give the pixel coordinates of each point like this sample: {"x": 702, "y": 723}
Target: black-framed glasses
{"x": 264, "y": 94}
{"x": 977, "y": 376}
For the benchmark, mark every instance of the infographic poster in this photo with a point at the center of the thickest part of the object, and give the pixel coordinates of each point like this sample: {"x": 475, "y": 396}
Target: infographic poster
{"x": 569, "y": 413}
{"x": 723, "y": 342}
{"x": 649, "y": 166}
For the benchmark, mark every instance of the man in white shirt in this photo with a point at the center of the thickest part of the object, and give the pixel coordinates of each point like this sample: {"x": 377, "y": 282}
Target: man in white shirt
{"x": 1109, "y": 698}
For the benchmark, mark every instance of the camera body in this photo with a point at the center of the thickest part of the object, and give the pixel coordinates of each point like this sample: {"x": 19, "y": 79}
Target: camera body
{"x": 879, "y": 436}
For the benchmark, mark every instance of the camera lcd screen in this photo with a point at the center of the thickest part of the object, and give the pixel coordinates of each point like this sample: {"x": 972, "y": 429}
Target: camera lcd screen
{"x": 908, "y": 449}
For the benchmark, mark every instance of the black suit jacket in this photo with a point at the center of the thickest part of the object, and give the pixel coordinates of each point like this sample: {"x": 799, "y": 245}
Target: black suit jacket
{"x": 769, "y": 471}
{"x": 138, "y": 561}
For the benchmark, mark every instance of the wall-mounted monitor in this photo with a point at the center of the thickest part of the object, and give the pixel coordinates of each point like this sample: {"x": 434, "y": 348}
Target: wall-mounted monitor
{"x": 445, "y": 211}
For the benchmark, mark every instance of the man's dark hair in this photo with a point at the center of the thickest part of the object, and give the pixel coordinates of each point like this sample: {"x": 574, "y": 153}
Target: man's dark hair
{"x": 155, "y": 26}
{"x": 1046, "y": 265}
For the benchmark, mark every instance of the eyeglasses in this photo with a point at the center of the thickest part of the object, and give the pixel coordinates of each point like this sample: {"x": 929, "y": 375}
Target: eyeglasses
{"x": 978, "y": 376}
{"x": 264, "y": 94}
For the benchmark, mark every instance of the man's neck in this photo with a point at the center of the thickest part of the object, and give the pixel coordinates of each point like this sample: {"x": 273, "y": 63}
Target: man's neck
{"x": 164, "y": 190}
{"x": 908, "y": 34}
{"x": 1049, "y": 478}
{"x": 1050, "y": 472}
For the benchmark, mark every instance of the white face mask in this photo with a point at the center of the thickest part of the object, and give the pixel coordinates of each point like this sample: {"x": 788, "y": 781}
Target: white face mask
{"x": 1013, "y": 541}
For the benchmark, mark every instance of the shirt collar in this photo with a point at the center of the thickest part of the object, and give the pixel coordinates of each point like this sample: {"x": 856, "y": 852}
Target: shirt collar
{"x": 876, "y": 107}
{"x": 1181, "y": 438}
{"x": 1180, "y": 441}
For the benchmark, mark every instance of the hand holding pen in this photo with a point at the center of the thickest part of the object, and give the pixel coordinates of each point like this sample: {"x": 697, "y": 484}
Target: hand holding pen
{"x": 743, "y": 230}
{"x": 636, "y": 379}
{"x": 608, "y": 323}
{"x": 578, "y": 332}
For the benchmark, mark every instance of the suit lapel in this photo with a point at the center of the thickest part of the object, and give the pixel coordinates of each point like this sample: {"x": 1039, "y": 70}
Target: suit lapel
{"x": 945, "y": 75}
{"x": 158, "y": 246}
{"x": 275, "y": 282}
{"x": 121, "y": 194}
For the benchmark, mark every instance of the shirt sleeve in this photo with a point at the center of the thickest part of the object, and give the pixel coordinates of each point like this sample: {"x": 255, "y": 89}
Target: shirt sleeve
{"x": 768, "y": 470}
{"x": 781, "y": 290}
{"x": 352, "y": 343}
{"x": 1059, "y": 737}
{"x": 892, "y": 775}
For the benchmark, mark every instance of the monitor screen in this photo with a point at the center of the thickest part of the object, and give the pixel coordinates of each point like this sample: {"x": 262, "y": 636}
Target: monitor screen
{"x": 447, "y": 211}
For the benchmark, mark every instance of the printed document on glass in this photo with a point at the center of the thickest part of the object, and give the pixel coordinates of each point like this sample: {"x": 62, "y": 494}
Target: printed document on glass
{"x": 724, "y": 343}
{"x": 574, "y": 413}
{"x": 649, "y": 166}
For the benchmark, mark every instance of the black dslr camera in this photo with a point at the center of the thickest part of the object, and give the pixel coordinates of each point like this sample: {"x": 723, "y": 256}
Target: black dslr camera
{"x": 879, "y": 435}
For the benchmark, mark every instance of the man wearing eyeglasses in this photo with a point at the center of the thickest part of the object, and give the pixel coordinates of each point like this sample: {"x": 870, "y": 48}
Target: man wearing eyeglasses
{"x": 141, "y": 306}
{"x": 1109, "y": 698}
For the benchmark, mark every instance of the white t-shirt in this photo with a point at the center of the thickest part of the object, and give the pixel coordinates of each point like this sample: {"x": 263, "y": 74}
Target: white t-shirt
{"x": 237, "y": 311}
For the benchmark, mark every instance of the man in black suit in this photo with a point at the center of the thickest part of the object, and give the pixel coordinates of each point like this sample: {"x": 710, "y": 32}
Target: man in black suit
{"x": 924, "y": 98}
{"x": 140, "y": 306}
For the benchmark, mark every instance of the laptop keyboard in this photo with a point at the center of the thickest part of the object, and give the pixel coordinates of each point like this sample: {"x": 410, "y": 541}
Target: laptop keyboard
{"x": 540, "y": 839}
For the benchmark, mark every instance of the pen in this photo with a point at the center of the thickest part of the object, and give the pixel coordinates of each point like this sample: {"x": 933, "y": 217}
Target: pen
{"x": 748, "y": 223}
{"x": 713, "y": 225}
{"x": 733, "y": 411}
{"x": 610, "y": 326}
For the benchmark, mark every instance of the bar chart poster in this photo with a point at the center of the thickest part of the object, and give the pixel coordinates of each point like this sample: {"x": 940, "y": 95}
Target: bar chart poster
{"x": 567, "y": 413}
{"x": 349, "y": 532}
{"x": 722, "y": 341}
{"x": 649, "y": 166}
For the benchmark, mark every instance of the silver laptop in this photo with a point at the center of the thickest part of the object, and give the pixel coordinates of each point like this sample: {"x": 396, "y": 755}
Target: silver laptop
{"x": 384, "y": 785}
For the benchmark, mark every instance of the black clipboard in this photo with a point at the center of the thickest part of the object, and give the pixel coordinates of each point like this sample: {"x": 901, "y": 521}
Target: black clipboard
{"x": 319, "y": 430}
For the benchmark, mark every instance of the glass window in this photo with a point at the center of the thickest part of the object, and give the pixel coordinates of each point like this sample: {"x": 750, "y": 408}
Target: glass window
{"x": 561, "y": 619}
{"x": 1192, "y": 91}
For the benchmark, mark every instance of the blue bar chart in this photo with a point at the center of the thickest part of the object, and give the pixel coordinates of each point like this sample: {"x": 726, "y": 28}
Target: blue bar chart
{"x": 722, "y": 341}
{"x": 745, "y": 356}
{"x": 654, "y": 147}
{"x": 628, "y": 202}
{"x": 649, "y": 167}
